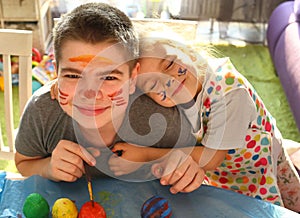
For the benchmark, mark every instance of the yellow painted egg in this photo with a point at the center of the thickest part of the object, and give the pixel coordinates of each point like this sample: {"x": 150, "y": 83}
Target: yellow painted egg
{"x": 64, "y": 208}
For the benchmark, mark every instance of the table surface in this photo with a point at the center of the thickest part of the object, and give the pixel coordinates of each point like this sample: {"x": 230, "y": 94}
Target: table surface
{"x": 125, "y": 199}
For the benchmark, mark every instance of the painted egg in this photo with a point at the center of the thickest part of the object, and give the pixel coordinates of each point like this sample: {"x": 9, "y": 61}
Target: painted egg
{"x": 64, "y": 207}
{"x": 156, "y": 207}
{"x": 92, "y": 210}
{"x": 35, "y": 205}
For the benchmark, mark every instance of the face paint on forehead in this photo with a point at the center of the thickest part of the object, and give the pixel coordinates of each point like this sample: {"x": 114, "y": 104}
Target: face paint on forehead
{"x": 85, "y": 59}
{"x": 117, "y": 98}
{"x": 63, "y": 97}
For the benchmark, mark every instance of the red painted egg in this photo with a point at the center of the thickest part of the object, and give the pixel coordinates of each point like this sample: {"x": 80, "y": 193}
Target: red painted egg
{"x": 88, "y": 210}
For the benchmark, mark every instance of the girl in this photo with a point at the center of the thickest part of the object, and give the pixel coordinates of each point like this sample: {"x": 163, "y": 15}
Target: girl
{"x": 239, "y": 145}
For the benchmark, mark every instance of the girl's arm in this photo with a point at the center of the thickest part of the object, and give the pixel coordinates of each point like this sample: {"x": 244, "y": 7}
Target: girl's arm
{"x": 207, "y": 158}
{"x": 172, "y": 166}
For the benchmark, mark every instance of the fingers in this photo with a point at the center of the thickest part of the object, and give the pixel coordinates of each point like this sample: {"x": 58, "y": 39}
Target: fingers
{"x": 87, "y": 157}
{"x": 180, "y": 171}
{"x": 67, "y": 160}
{"x": 66, "y": 172}
{"x": 195, "y": 184}
{"x": 94, "y": 151}
{"x": 76, "y": 151}
{"x": 157, "y": 170}
{"x": 120, "y": 166}
{"x": 191, "y": 181}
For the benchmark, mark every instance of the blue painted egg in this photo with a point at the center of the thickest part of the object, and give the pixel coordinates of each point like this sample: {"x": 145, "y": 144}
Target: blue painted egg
{"x": 156, "y": 207}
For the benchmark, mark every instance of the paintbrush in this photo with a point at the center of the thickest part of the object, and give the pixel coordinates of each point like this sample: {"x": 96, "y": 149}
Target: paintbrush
{"x": 89, "y": 181}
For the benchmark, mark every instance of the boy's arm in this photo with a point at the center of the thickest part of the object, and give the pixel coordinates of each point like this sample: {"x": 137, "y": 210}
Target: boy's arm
{"x": 65, "y": 163}
{"x": 29, "y": 166}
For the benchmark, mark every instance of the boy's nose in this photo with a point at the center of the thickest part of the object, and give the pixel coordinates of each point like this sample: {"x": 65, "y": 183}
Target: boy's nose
{"x": 91, "y": 93}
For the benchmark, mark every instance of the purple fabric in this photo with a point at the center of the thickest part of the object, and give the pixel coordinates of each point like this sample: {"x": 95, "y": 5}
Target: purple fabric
{"x": 297, "y": 7}
{"x": 279, "y": 20}
{"x": 284, "y": 45}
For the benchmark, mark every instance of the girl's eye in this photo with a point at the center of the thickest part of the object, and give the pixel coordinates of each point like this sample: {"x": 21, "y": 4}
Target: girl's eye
{"x": 153, "y": 86}
{"x": 150, "y": 85}
{"x": 170, "y": 64}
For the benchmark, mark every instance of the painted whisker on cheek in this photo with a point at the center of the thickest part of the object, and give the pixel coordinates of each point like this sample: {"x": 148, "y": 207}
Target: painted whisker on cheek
{"x": 163, "y": 95}
{"x": 120, "y": 103}
{"x": 62, "y": 93}
{"x": 181, "y": 71}
{"x": 116, "y": 93}
{"x": 62, "y": 97}
{"x": 116, "y": 99}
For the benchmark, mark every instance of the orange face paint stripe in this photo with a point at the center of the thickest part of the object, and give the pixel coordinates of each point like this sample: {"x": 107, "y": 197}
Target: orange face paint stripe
{"x": 89, "y": 58}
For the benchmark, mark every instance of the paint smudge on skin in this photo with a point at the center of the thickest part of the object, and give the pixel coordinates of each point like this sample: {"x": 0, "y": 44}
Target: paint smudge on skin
{"x": 62, "y": 97}
{"x": 118, "y": 100}
{"x": 168, "y": 84}
{"x": 85, "y": 59}
{"x": 181, "y": 71}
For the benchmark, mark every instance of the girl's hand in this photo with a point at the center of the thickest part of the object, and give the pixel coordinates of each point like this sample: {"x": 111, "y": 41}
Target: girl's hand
{"x": 54, "y": 91}
{"x": 66, "y": 163}
{"x": 127, "y": 158}
{"x": 180, "y": 171}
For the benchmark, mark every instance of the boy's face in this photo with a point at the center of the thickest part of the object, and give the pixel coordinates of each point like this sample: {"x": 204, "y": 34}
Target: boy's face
{"x": 167, "y": 75}
{"x": 94, "y": 83}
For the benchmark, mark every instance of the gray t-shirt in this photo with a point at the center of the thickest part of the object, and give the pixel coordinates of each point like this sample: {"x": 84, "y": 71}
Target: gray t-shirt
{"x": 44, "y": 124}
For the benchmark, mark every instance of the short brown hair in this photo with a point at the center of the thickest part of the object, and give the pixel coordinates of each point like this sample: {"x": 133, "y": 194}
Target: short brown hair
{"x": 94, "y": 23}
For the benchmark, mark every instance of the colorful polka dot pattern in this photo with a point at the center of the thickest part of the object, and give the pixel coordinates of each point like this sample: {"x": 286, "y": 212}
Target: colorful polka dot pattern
{"x": 247, "y": 170}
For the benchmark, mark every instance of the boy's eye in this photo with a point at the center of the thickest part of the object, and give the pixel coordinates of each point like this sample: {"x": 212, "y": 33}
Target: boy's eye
{"x": 108, "y": 78}
{"x": 73, "y": 76}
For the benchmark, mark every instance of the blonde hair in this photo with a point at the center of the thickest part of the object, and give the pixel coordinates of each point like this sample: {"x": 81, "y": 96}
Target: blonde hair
{"x": 150, "y": 40}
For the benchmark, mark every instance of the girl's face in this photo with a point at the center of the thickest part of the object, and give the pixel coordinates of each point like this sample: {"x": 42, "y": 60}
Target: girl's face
{"x": 94, "y": 83}
{"x": 167, "y": 75}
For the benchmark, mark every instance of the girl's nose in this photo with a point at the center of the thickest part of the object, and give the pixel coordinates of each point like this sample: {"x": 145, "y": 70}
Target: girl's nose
{"x": 90, "y": 93}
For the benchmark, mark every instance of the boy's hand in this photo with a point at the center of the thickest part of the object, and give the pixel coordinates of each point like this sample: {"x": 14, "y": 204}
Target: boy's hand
{"x": 54, "y": 91}
{"x": 180, "y": 171}
{"x": 66, "y": 163}
{"x": 127, "y": 158}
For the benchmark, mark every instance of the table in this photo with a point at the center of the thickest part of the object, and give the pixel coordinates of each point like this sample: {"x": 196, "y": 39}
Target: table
{"x": 124, "y": 199}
